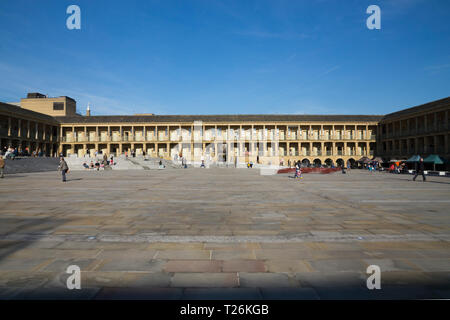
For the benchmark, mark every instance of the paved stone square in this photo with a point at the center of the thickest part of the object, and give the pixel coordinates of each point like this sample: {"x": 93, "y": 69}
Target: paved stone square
{"x": 223, "y": 233}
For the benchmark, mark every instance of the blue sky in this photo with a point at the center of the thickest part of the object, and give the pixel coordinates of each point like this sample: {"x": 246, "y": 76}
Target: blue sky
{"x": 227, "y": 57}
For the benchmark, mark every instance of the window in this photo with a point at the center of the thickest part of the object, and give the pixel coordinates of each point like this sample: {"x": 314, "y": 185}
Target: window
{"x": 58, "y": 105}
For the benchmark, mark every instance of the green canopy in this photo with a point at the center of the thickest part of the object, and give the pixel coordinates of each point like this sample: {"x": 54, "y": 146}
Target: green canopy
{"x": 434, "y": 158}
{"x": 415, "y": 158}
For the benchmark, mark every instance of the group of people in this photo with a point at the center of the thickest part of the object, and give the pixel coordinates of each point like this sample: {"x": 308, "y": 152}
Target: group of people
{"x": 132, "y": 153}
{"x": 182, "y": 159}
{"x": 97, "y": 165}
{"x": 11, "y": 153}
{"x": 397, "y": 168}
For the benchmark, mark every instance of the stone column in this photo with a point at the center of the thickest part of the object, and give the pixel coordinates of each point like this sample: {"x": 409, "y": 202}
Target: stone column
{"x": 435, "y": 121}
{"x": 446, "y": 120}
{"x": 19, "y": 132}
{"x": 435, "y": 141}
{"x": 446, "y": 144}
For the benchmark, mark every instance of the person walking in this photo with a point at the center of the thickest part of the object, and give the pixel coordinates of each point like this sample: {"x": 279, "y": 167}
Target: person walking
{"x": 2, "y": 166}
{"x": 420, "y": 168}
{"x": 64, "y": 168}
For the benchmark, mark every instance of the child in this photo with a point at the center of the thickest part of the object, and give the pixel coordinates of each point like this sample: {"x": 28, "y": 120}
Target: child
{"x": 298, "y": 172}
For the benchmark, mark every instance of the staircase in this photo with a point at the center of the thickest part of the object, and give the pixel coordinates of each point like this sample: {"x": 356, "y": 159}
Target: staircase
{"x": 153, "y": 163}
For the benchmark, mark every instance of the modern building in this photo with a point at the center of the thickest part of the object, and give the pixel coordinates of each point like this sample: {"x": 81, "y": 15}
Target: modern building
{"x": 55, "y": 127}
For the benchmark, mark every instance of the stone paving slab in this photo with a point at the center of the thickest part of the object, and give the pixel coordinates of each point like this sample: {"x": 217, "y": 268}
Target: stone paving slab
{"x": 227, "y": 280}
{"x": 223, "y": 233}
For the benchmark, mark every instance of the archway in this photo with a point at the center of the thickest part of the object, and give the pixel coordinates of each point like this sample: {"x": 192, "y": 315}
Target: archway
{"x": 329, "y": 162}
{"x": 317, "y": 163}
{"x": 305, "y": 162}
{"x": 352, "y": 162}
{"x": 340, "y": 162}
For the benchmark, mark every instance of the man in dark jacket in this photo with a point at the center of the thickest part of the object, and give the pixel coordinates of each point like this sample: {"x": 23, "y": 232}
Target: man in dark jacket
{"x": 420, "y": 169}
{"x": 64, "y": 168}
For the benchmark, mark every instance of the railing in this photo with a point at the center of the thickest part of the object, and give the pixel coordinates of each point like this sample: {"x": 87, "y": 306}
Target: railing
{"x": 223, "y": 137}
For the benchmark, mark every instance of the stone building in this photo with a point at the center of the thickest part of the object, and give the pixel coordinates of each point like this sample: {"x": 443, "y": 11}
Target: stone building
{"x": 420, "y": 130}
{"x": 52, "y": 125}
{"x": 21, "y": 128}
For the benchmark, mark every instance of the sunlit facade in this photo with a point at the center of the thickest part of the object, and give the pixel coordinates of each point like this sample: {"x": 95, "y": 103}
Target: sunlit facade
{"x": 52, "y": 126}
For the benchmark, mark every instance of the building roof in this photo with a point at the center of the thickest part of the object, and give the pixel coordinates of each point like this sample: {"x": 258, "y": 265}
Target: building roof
{"x": 219, "y": 118}
{"x": 16, "y": 110}
{"x": 430, "y": 106}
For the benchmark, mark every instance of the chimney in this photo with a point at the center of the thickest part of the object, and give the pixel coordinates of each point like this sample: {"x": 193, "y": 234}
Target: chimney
{"x": 88, "y": 111}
